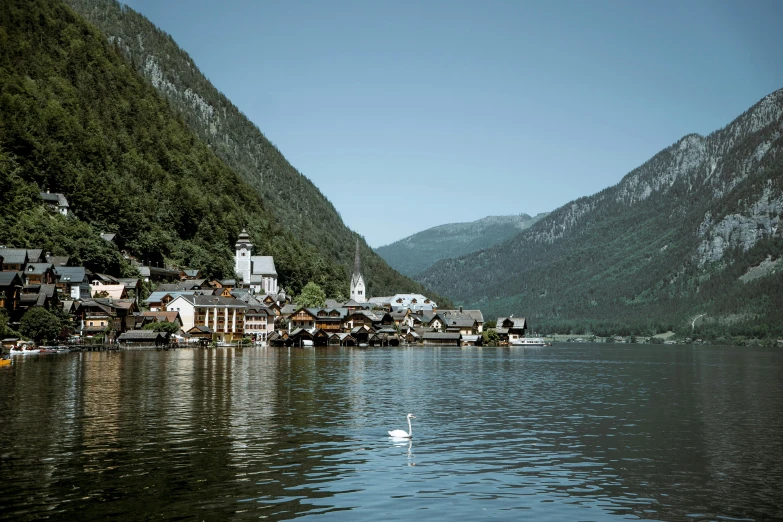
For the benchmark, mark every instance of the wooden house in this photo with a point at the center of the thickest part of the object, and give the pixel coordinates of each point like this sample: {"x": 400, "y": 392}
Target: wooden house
{"x": 511, "y": 329}
{"x": 302, "y": 318}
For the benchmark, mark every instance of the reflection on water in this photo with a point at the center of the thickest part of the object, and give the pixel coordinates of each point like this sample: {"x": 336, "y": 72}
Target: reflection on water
{"x": 591, "y": 432}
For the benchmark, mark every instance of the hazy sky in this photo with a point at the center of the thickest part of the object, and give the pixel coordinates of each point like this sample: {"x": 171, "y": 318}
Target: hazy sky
{"x": 408, "y": 115}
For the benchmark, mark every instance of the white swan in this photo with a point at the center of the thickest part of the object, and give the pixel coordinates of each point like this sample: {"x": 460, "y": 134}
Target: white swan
{"x": 402, "y": 434}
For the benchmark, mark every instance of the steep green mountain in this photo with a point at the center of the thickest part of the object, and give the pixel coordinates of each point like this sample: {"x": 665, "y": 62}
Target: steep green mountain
{"x": 77, "y": 119}
{"x": 414, "y": 254}
{"x": 695, "y": 230}
{"x": 288, "y": 195}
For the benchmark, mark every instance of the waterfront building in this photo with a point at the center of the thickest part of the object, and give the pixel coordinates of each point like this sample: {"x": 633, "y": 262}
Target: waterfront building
{"x": 225, "y": 316}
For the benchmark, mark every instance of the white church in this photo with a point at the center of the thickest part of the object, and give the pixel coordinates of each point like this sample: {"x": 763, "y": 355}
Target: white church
{"x": 358, "y": 291}
{"x": 256, "y": 272}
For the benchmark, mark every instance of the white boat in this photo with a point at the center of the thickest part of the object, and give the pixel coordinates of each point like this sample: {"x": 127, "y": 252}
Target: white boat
{"x": 529, "y": 341}
{"x": 26, "y": 351}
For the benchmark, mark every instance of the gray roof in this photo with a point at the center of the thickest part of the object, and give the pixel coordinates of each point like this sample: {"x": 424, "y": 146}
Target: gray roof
{"x": 518, "y": 322}
{"x": 141, "y": 335}
{"x": 289, "y": 309}
{"x": 155, "y": 297}
{"x": 436, "y": 336}
{"x": 54, "y": 198}
{"x": 37, "y": 268}
{"x": 58, "y": 260}
{"x": 129, "y": 282}
{"x": 14, "y": 256}
{"x": 34, "y": 255}
{"x": 263, "y": 265}
{"x": 7, "y": 278}
{"x": 202, "y": 329}
{"x": 214, "y": 301}
{"x": 475, "y": 314}
{"x": 106, "y": 236}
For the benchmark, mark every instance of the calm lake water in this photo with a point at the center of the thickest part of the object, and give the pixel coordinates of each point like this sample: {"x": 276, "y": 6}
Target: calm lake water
{"x": 569, "y": 432}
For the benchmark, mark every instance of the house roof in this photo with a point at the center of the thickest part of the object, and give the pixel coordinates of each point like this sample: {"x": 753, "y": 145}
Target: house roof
{"x": 342, "y": 336}
{"x": 58, "y": 260}
{"x": 516, "y": 322}
{"x": 289, "y": 309}
{"x": 201, "y": 329}
{"x": 107, "y": 236}
{"x": 129, "y": 282}
{"x": 155, "y": 297}
{"x": 212, "y": 301}
{"x": 105, "y": 278}
{"x": 34, "y": 255}
{"x": 475, "y": 314}
{"x": 263, "y": 265}
{"x": 37, "y": 268}
{"x": 10, "y": 278}
{"x": 142, "y": 335}
{"x": 459, "y": 322}
{"x": 161, "y": 315}
{"x": 14, "y": 256}
{"x": 259, "y": 310}
{"x": 55, "y": 198}
{"x": 437, "y": 336}
{"x": 70, "y": 274}
{"x": 113, "y": 291}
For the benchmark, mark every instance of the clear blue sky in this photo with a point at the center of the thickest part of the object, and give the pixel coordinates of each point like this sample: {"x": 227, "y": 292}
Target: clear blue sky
{"x": 411, "y": 114}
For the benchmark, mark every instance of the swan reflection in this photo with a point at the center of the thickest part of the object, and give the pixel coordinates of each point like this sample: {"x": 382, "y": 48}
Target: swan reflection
{"x": 401, "y": 443}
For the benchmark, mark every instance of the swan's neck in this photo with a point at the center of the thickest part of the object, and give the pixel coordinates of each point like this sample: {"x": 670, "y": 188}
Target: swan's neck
{"x": 410, "y": 428}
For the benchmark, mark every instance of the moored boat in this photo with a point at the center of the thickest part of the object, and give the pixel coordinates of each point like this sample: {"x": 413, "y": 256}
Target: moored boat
{"x": 529, "y": 341}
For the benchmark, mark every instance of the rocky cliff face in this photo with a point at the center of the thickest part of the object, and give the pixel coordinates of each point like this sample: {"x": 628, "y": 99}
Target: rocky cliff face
{"x": 697, "y": 206}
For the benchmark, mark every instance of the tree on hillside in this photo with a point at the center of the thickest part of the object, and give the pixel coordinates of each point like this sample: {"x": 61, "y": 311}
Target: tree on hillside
{"x": 40, "y": 324}
{"x": 311, "y": 296}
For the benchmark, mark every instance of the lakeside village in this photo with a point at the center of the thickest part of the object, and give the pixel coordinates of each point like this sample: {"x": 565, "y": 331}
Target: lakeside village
{"x": 106, "y": 312}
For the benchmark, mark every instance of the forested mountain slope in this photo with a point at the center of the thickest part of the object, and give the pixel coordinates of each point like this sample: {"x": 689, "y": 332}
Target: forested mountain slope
{"x": 77, "y": 119}
{"x": 288, "y": 195}
{"x": 695, "y": 230}
{"x": 414, "y": 254}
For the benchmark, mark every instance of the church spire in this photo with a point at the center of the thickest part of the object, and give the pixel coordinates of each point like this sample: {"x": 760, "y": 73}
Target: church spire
{"x": 356, "y": 267}
{"x": 357, "y": 281}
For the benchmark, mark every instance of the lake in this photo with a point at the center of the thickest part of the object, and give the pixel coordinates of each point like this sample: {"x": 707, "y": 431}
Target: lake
{"x": 568, "y": 432}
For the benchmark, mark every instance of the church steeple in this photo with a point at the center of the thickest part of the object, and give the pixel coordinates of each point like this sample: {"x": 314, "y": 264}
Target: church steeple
{"x": 358, "y": 293}
{"x": 356, "y": 266}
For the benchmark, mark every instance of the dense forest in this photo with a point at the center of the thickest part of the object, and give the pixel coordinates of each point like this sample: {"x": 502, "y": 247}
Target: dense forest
{"x": 78, "y": 119}
{"x": 692, "y": 241}
{"x": 290, "y": 197}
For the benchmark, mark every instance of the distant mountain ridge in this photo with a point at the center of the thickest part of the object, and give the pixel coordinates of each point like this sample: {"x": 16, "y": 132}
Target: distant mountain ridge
{"x": 289, "y": 196}
{"x": 414, "y": 254}
{"x": 668, "y": 243}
